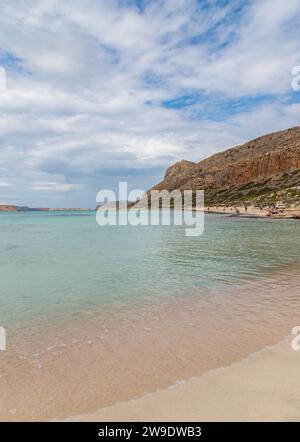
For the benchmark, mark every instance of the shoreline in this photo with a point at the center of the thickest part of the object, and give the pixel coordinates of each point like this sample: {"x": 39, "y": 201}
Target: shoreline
{"x": 264, "y": 386}
{"x": 142, "y": 352}
{"x": 254, "y": 212}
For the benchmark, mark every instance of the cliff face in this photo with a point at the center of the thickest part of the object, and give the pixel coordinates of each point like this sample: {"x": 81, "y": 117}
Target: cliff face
{"x": 261, "y": 171}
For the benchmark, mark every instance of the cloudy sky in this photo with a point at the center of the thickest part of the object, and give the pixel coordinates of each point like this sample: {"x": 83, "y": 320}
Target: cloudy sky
{"x": 100, "y": 91}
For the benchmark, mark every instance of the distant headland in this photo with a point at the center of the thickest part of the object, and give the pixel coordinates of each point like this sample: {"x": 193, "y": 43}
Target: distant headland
{"x": 12, "y": 208}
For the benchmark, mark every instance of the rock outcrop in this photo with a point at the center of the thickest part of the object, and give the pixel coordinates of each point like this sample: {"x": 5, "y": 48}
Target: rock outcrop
{"x": 262, "y": 171}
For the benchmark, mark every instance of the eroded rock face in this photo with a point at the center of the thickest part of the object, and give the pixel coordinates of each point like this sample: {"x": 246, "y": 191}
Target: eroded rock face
{"x": 179, "y": 174}
{"x": 254, "y": 171}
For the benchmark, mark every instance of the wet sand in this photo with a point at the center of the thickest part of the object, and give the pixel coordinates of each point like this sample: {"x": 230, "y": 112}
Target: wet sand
{"x": 263, "y": 387}
{"x": 81, "y": 365}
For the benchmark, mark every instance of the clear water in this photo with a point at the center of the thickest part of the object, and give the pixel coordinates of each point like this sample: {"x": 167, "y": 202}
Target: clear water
{"x": 98, "y": 315}
{"x": 59, "y": 264}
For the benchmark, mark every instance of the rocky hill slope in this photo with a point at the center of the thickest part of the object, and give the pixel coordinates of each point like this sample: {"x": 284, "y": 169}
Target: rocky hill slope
{"x": 263, "y": 171}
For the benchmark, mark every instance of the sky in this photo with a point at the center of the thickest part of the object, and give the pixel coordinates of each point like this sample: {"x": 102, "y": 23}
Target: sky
{"x": 99, "y": 92}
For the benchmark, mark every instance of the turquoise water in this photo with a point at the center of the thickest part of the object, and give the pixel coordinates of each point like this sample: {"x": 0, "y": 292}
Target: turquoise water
{"x": 59, "y": 264}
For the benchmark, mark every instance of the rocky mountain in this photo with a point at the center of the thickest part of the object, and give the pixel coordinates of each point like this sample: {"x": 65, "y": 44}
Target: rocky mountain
{"x": 263, "y": 171}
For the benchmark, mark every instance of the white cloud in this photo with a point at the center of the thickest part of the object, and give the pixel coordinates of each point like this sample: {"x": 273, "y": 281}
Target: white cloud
{"x": 52, "y": 186}
{"x": 4, "y": 184}
{"x": 86, "y": 81}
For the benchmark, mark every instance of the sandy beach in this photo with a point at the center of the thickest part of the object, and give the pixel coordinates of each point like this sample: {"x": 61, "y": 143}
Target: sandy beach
{"x": 101, "y": 330}
{"x": 162, "y": 361}
{"x": 265, "y": 386}
{"x": 251, "y": 211}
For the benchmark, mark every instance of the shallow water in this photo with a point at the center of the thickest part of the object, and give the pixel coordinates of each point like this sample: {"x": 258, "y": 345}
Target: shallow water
{"x": 108, "y": 313}
{"x": 55, "y": 264}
